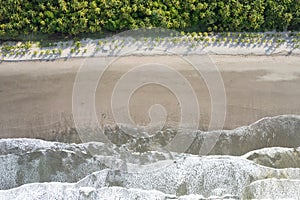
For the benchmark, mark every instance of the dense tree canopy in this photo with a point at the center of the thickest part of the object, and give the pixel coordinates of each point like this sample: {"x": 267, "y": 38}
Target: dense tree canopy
{"x": 72, "y": 17}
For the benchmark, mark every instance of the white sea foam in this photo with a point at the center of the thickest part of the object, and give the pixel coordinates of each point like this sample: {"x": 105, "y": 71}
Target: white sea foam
{"x": 117, "y": 171}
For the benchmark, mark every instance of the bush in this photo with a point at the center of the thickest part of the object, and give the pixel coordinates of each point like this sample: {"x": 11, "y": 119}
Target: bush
{"x": 23, "y": 17}
{"x": 77, "y": 44}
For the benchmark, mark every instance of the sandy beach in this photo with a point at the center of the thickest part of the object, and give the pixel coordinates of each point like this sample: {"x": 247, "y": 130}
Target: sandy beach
{"x": 36, "y": 97}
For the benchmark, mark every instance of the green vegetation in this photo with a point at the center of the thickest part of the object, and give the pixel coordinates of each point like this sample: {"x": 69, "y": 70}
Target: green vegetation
{"x": 72, "y": 50}
{"x": 72, "y": 18}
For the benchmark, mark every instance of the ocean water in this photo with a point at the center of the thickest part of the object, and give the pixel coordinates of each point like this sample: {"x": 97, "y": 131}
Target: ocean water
{"x": 261, "y": 160}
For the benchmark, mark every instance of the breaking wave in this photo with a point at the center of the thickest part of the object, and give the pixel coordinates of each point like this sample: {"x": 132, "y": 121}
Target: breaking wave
{"x": 244, "y": 163}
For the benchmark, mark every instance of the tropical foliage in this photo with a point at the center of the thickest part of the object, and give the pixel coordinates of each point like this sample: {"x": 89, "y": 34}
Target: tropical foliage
{"x": 73, "y": 17}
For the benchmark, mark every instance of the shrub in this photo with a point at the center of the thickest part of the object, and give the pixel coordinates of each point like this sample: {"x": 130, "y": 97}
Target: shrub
{"x": 27, "y": 45}
{"x": 194, "y": 34}
{"x": 78, "y": 44}
{"x": 77, "y": 17}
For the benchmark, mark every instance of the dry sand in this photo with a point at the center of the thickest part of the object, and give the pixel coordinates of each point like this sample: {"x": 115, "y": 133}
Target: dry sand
{"x": 36, "y": 97}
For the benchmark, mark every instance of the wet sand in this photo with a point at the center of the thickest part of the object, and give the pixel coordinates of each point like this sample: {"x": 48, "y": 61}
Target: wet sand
{"x": 36, "y": 97}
